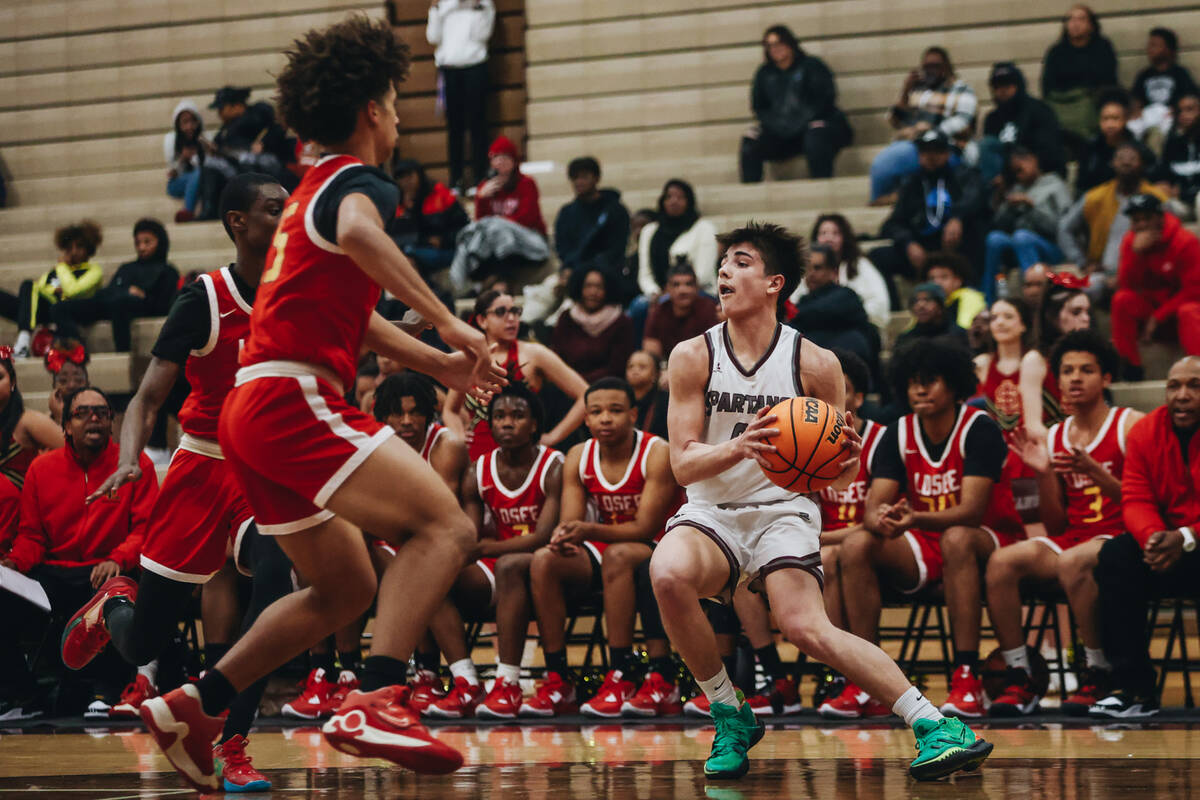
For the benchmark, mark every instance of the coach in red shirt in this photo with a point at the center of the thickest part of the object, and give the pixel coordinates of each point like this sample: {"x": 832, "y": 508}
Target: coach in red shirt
{"x": 1158, "y": 556}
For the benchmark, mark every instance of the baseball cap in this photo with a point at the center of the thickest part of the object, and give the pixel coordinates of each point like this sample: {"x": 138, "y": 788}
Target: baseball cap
{"x": 228, "y": 95}
{"x": 1144, "y": 204}
{"x": 933, "y": 139}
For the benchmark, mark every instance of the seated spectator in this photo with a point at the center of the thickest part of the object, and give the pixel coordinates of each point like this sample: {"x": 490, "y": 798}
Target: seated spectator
{"x": 930, "y": 317}
{"x": 592, "y": 231}
{"x": 72, "y": 547}
{"x": 794, "y": 101}
{"x": 1074, "y": 68}
{"x": 1090, "y": 233}
{"x": 24, "y": 433}
{"x": 682, "y": 314}
{"x": 185, "y": 147}
{"x": 832, "y": 315}
{"x": 66, "y": 361}
{"x": 428, "y": 219}
{"x": 1018, "y": 119}
{"x": 936, "y": 508}
{"x": 939, "y": 208}
{"x": 1065, "y": 308}
{"x": 678, "y": 231}
{"x": 1156, "y": 557}
{"x": 1010, "y": 336}
{"x": 855, "y": 270}
{"x": 644, "y": 375}
{"x": 1178, "y": 173}
{"x": 508, "y": 231}
{"x": 75, "y": 275}
{"x": 618, "y": 492}
{"x": 1079, "y": 476}
{"x": 1158, "y": 87}
{"x": 932, "y": 97}
{"x": 143, "y": 287}
{"x": 951, "y": 272}
{"x": 1158, "y": 283}
{"x": 1025, "y": 221}
{"x": 595, "y": 335}
{"x": 1095, "y": 157}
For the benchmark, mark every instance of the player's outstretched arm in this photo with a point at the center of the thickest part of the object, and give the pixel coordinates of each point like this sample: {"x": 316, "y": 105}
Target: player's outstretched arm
{"x": 460, "y": 371}
{"x": 691, "y": 459}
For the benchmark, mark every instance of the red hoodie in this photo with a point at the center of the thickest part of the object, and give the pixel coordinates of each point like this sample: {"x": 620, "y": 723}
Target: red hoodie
{"x": 1158, "y": 488}
{"x": 518, "y": 201}
{"x": 1168, "y": 274}
{"x": 58, "y": 528}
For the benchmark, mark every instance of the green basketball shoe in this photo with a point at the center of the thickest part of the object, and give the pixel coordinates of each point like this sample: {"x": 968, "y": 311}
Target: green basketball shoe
{"x": 944, "y": 747}
{"x": 737, "y": 731}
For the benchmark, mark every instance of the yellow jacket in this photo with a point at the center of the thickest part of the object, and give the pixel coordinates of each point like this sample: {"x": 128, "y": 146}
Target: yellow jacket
{"x": 966, "y": 303}
{"x": 82, "y": 280}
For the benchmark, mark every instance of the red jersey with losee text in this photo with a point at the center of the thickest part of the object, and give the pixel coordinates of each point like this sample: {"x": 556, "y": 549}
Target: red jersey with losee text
{"x": 1091, "y": 513}
{"x": 313, "y": 302}
{"x": 845, "y": 509}
{"x": 615, "y": 503}
{"x": 210, "y": 370}
{"x": 514, "y": 512}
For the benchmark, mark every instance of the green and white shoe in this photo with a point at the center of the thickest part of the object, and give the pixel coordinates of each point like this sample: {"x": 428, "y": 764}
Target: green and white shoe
{"x": 738, "y": 729}
{"x": 944, "y": 747}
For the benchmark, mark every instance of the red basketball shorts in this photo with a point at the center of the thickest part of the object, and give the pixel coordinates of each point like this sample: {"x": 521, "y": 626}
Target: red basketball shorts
{"x": 927, "y": 552}
{"x": 199, "y": 510}
{"x": 292, "y": 440}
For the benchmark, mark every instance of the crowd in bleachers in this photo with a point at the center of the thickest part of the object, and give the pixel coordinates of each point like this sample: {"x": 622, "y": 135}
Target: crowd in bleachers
{"x": 999, "y": 382}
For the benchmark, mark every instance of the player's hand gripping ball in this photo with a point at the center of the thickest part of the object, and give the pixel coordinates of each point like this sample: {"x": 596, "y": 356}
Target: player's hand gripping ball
{"x": 809, "y": 445}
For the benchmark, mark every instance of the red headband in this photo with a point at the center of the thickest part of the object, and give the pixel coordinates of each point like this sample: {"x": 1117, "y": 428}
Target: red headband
{"x": 1066, "y": 280}
{"x": 56, "y": 358}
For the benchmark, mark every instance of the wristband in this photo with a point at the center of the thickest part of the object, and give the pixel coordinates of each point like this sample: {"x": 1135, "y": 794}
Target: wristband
{"x": 1189, "y": 540}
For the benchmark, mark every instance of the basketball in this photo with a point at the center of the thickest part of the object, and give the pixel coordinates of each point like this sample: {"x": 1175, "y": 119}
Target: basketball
{"x": 809, "y": 445}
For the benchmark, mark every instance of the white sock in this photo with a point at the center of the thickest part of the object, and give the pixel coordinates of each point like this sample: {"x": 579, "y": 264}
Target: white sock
{"x": 720, "y": 689}
{"x": 1017, "y": 657}
{"x": 465, "y": 668}
{"x": 1095, "y": 658}
{"x": 508, "y": 672}
{"x": 912, "y": 706}
{"x": 23, "y": 340}
{"x": 150, "y": 671}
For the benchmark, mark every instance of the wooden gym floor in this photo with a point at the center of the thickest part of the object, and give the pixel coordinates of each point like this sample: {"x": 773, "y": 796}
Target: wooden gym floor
{"x": 636, "y": 762}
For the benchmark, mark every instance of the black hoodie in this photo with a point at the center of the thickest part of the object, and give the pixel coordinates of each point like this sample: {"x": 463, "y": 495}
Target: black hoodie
{"x": 1180, "y": 165}
{"x": 593, "y": 234}
{"x": 155, "y": 276}
{"x": 1028, "y": 122}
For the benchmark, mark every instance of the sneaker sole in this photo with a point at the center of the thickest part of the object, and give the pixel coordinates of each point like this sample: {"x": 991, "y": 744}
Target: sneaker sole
{"x": 75, "y": 622}
{"x": 436, "y": 713}
{"x": 349, "y": 734}
{"x": 288, "y": 711}
{"x": 793, "y": 708}
{"x": 967, "y": 759}
{"x": 1129, "y": 714}
{"x": 955, "y": 711}
{"x": 252, "y": 786}
{"x": 483, "y": 712}
{"x": 588, "y": 711}
{"x": 1011, "y": 710}
{"x": 161, "y": 722}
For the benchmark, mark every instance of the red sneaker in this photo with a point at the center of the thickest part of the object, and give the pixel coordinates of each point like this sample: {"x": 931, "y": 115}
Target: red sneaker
{"x": 85, "y": 635}
{"x": 426, "y": 687}
{"x": 610, "y": 698}
{"x": 313, "y": 702}
{"x": 380, "y": 724}
{"x": 1019, "y": 698}
{"x": 459, "y": 703}
{"x": 853, "y": 703}
{"x": 779, "y": 697}
{"x": 502, "y": 702}
{"x": 185, "y": 734}
{"x": 132, "y": 698}
{"x": 698, "y": 706}
{"x": 234, "y": 769}
{"x": 553, "y": 697}
{"x": 1094, "y": 685}
{"x": 656, "y": 697}
{"x": 966, "y": 695}
{"x": 347, "y": 682}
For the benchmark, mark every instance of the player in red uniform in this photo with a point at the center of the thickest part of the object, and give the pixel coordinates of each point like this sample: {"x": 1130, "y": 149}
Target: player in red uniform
{"x": 618, "y": 491}
{"x": 200, "y": 511}
{"x": 1079, "y": 474}
{"x": 512, "y": 494}
{"x": 937, "y": 508}
{"x": 315, "y": 470}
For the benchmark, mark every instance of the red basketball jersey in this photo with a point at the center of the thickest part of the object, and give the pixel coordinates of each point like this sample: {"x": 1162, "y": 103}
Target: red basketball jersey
{"x": 210, "y": 370}
{"x": 935, "y": 485}
{"x": 1090, "y": 512}
{"x": 845, "y": 509}
{"x": 314, "y": 302}
{"x": 614, "y": 503}
{"x": 432, "y": 433}
{"x": 514, "y": 512}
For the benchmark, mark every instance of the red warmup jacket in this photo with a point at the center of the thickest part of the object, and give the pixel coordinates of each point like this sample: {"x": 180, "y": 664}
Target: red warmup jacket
{"x": 59, "y": 529}
{"x": 10, "y": 512}
{"x": 1158, "y": 488}
{"x": 1168, "y": 274}
{"x": 521, "y": 205}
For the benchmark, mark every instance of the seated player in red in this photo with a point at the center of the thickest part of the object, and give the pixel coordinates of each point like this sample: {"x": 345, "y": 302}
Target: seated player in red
{"x": 512, "y": 496}
{"x": 315, "y": 470}
{"x": 1079, "y": 471}
{"x": 842, "y": 514}
{"x": 936, "y": 509}
{"x": 618, "y": 491}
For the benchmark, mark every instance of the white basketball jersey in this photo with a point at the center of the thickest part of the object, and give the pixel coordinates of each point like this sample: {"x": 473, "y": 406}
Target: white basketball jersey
{"x": 732, "y": 398}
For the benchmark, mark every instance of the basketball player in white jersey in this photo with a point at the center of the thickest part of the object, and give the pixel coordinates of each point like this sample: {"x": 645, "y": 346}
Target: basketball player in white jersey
{"x": 738, "y": 526}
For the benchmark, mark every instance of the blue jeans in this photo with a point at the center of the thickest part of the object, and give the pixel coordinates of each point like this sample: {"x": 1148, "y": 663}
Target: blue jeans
{"x": 893, "y": 164}
{"x": 1028, "y": 247}
{"x": 187, "y": 186}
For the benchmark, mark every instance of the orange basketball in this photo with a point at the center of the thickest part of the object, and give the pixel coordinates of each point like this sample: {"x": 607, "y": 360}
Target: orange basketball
{"x": 809, "y": 445}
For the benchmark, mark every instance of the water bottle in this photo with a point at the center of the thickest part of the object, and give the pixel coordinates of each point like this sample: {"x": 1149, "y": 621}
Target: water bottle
{"x": 1002, "y": 287}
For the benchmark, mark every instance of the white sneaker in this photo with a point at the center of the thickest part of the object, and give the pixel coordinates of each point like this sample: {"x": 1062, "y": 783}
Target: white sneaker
{"x": 97, "y": 709}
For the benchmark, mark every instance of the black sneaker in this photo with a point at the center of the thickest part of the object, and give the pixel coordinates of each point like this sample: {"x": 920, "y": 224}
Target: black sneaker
{"x": 1125, "y": 704}
{"x": 829, "y": 685}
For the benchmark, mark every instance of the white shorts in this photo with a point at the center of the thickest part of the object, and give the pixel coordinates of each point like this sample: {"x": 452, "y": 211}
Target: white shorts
{"x": 759, "y": 539}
